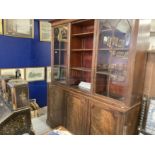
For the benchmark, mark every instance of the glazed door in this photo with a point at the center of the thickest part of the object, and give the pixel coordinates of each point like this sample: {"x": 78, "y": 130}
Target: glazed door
{"x": 60, "y": 53}
{"x": 114, "y": 39}
{"x": 55, "y": 106}
{"x": 77, "y": 115}
{"x": 104, "y": 121}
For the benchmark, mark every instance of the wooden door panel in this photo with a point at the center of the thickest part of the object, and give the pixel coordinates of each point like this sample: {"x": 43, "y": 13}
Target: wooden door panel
{"x": 76, "y": 115}
{"x": 103, "y": 121}
{"x": 55, "y": 106}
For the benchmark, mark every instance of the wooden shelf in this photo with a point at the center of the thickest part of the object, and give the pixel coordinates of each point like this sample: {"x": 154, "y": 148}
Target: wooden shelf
{"x": 103, "y": 72}
{"x": 104, "y": 49}
{"x": 82, "y": 34}
{"x": 62, "y": 81}
{"x": 81, "y": 50}
{"x": 120, "y": 49}
{"x": 80, "y": 89}
{"x": 113, "y": 49}
{"x": 81, "y": 69}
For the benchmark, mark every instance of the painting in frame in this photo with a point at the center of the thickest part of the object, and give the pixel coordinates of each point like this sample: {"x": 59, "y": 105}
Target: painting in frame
{"x": 23, "y": 28}
{"x": 35, "y": 74}
{"x": 45, "y": 31}
{"x": 12, "y": 71}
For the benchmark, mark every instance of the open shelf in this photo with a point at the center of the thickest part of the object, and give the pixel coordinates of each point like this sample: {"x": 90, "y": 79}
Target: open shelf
{"x": 80, "y": 89}
{"x": 103, "y": 72}
{"x": 82, "y": 69}
{"x": 81, "y": 50}
{"x": 83, "y": 34}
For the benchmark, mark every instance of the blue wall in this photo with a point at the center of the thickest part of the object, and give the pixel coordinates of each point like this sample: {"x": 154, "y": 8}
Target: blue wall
{"x": 24, "y": 52}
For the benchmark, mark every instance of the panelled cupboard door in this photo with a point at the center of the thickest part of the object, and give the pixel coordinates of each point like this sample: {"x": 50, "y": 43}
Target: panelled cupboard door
{"x": 76, "y": 119}
{"x": 56, "y": 106}
{"x": 104, "y": 121}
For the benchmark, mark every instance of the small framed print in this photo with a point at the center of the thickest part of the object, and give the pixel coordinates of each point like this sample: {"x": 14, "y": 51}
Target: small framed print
{"x": 48, "y": 74}
{"x": 23, "y": 28}
{"x": 45, "y": 31}
{"x": 35, "y": 74}
{"x": 1, "y": 27}
{"x": 12, "y": 71}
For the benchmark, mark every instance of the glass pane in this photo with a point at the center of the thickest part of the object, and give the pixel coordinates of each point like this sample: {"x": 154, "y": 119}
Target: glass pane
{"x": 112, "y": 58}
{"x": 60, "y": 53}
{"x": 56, "y": 33}
{"x": 56, "y": 57}
{"x": 122, "y": 34}
{"x": 63, "y": 58}
{"x": 56, "y": 44}
{"x": 62, "y": 73}
{"x": 63, "y": 37}
{"x": 118, "y": 74}
{"x": 56, "y": 73}
{"x": 103, "y": 59}
{"x": 102, "y": 84}
{"x": 105, "y": 40}
{"x": 63, "y": 45}
{"x": 106, "y": 33}
{"x": 56, "y": 38}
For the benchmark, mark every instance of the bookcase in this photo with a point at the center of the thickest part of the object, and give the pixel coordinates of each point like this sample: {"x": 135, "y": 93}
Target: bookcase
{"x": 97, "y": 70}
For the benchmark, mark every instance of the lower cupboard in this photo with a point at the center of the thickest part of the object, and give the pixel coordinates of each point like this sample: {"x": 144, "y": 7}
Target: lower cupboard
{"x": 82, "y": 115}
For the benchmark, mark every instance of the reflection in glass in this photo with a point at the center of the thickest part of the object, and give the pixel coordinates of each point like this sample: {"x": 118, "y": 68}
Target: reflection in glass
{"x": 56, "y": 57}
{"x": 103, "y": 60}
{"x": 122, "y": 34}
{"x": 112, "y": 58}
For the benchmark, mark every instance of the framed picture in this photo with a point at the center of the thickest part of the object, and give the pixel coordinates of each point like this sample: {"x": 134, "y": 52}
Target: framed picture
{"x": 13, "y": 72}
{"x": 45, "y": 31}
{"x": 1, "y": 27}
{"x": 23, "y": 28}
{"x": 48, "y": 74}
{"x": 35, "y": 74}
{"x": 150, "y": 119}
